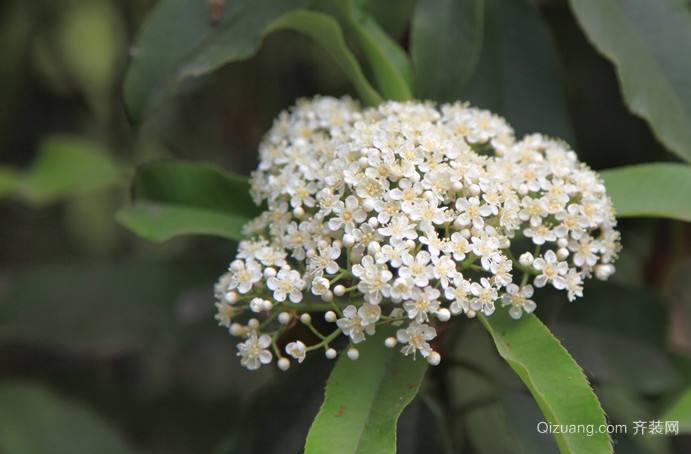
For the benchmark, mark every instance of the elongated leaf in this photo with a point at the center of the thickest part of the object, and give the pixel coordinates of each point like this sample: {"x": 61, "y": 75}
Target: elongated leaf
{"x": 364, "y": 399}
{"x": 179, "y": 42}
{"x": 172, "y": 198}
{"x": 161, "y": 222}
{"x": 517, "y": 75}
{"x": 651, "y": 190}
{"x": 65, "y": 167}
{"x": 446, "y": 43}
{"x": 33, "y": 420}
{"x": 680, "y": 411}
{"x": 326, "y": 31}
{"x": 557, "y": 383}
{"x": 649, "y": 43}
{"x": 389, "y": 63}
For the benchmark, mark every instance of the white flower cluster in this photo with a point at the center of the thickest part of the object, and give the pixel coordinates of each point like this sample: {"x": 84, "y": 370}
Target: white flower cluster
{"x": 407, "y": 214}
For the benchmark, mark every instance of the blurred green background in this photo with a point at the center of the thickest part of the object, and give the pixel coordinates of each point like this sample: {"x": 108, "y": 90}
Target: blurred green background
{"x": 108, "y": 344}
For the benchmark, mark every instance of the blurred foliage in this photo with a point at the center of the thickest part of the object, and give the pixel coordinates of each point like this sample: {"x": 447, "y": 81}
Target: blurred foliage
{"x": 110, "y": 341}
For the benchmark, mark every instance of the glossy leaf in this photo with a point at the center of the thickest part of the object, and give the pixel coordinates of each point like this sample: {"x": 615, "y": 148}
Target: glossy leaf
{"x": 364, "y": 399}
{"x": 172, "y": 198}
{"x": 651, "y": 190}
{"x": 649, "y": 43}
{"x": 326, "y": 31}
{"x": 179, "y": 42}
{"x": 680, "y": 410}
{"x": 388, "y": 61}
{"x": 33, "y": 420}
{"x": 446, "y": 43}
{"x": 555, "y": 380}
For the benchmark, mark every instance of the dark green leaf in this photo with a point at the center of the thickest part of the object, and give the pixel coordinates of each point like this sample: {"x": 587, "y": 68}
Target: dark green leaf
{"x": 174, "y": 198}
{"x": 517, "y": 75}
{"x": 326, "y": 31}
{"x": 33, "y": 420}
{"x": 178, "y": 42}
{"x": 364, "y": 399}
{"x": 651, "y": 190}
{"x": 446, "y": 43}
{"x": 649, "y": 43}
{"x": 557, "y": 383}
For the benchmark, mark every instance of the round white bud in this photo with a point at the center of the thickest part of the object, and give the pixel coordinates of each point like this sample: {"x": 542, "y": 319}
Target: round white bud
{"x": 338, "y": 244}
{"x": 353, "y": 353}
{"x": 373, "y": 247}
{"x": 443, "y": 315}
{"x": 373, "y": 222}
{"x": 348, "y": 240}
{"x": 283, "y": 364}
{"x": 328, "y": 296}
{"x": 299, "y": 212}
{"x": 236, "y": 329}
{"x": 339, "y": 290}
{"x": 284, "y": 318}
{"x": 471, "y": 313}
{"x": 306, "y": 318}
{"x": 330, "y": 353}
{"x": 562, "y": 242}
{"x": 390, "y": 342}
{"x": 232, "y": 297}
{"x": 526, "y": 259}
{"x": 269, "y": 272}
{"x": 268, "y": 305}
{"x": 310, "y": 253}
{"x": 237, "y": 265}
{"x": 562, "y": 253}
{"x": 457, "y": 186}
{"x": 257, "y": 305}
{"x": 434, "y": 358}
{"x": 253, "y": 323}
{"x": 330, "y": 316}
{"x": 604, "y": 271}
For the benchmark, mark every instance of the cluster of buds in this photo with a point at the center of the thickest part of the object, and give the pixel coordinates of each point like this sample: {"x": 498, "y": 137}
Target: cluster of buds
{"x": 406, "y": 214}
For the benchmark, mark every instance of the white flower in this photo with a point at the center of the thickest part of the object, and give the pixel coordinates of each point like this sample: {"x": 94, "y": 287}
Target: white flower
{"x": 253, "y": 352}
{"x": 347, "y": 214}
{"x": 417, "y": 337}
{"x": 297, "y": 350}
{"x": 424, "y": 302}
{"x": 244, "y": 275}
{"x": 374, "y": 279}
{"x": 552, "y": 270}
{"x": 287, "y": 283}
{"x": 320, "y": 286}
{"x": 418, "y": 269}
{"x": 518, "y": 298}
{"x": 458, "y": 294}
{"x": 485, "y": 296}
{"x": 353, "y": 325}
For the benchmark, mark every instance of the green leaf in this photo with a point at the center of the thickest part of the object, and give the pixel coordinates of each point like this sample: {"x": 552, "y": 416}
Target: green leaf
{"x": 178, "y": 42}
{"x": 387, "y": 60}
{"x": 160, "y": 222}
{"x": 446, "y": 43}
{"x": 172, "y": 198}
{"x": 33, "y": 420}
{"x": 364, "y": 399}
{"x": 557, "y": 383}
{"x": 496, "y": 54}
{"x": 649, "y": 44}
{"x": 66, "y": 167}
{"x": 650, "y": 190}
{"x": 680, "y": 410}
{"x": 326, "y": 31}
